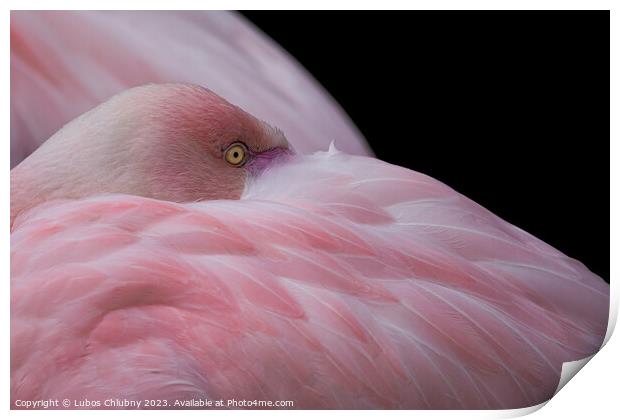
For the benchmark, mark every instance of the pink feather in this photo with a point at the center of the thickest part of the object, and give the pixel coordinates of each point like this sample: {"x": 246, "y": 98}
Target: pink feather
{"x": 63, "y": 63}
{"x": 335, "y": 282}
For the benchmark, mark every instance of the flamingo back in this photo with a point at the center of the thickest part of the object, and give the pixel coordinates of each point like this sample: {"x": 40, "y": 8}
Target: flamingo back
{"x": 337, "y": 281}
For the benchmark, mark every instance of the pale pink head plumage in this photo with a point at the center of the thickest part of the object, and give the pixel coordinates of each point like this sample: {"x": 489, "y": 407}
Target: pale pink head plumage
{"x": 160, "y": 141}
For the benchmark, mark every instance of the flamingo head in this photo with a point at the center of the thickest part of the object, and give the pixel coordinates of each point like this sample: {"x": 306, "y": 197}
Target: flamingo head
{"x": 176, "y": 142}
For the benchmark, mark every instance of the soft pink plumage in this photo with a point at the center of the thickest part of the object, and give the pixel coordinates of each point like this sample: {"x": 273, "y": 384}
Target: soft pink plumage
{"x": 335, "y": 282}
{"x": 66, "y": 62}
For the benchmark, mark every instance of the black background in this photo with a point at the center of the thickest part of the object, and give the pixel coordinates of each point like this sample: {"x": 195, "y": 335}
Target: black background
{"x": 509, "y": 108}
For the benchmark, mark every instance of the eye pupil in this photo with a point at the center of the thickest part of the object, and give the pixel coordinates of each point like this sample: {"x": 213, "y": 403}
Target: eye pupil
{"x": 236, "y": 154}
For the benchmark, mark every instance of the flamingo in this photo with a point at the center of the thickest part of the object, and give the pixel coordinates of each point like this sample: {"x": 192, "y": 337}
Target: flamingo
{"x": 167, "y": 246}
{"x": 169, "y": 250}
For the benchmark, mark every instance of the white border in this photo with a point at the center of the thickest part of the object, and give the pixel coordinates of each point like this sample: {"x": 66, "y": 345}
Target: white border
{"x": 593, "y": 394}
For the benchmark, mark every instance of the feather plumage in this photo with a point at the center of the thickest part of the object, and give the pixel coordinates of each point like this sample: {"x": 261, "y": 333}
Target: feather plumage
{"x": 63, "y": 63}
{"x": 335, "y": 282}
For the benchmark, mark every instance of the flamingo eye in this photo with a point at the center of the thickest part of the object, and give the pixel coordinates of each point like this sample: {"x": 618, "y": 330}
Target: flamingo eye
{"x": 236, "y": 154}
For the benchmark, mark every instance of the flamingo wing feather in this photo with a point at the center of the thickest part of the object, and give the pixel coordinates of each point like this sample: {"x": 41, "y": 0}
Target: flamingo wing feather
{"x": 335, "y": 282}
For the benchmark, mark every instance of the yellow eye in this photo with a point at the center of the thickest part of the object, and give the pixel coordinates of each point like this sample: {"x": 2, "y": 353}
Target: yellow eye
{"x": 236, "y": 154}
